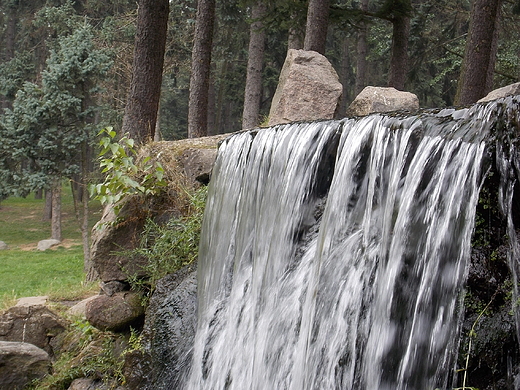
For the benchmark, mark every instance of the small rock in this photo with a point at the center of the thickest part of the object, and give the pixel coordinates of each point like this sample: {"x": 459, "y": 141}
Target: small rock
{"x": 21, "y": 363}
{"x": 381, "y": 99}
{"x": 3, "y": 246}
{"x": 43, "y": 245}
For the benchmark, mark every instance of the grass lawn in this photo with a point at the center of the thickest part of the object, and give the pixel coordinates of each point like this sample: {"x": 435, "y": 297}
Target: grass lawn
{"x": 25, "y": 271}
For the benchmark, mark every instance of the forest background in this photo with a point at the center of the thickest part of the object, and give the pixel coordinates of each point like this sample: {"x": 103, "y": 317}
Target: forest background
{"x": 438, "y": 29}
{"x": 69, "y": 68}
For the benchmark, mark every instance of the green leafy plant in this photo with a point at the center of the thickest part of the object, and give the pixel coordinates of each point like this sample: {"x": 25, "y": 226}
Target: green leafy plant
{"x": 170, "y": 246}
{"x": 123, "y": 176}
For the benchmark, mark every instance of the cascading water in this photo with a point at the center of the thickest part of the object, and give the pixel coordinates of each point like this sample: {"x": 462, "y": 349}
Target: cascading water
{"x": 334, "y": 253}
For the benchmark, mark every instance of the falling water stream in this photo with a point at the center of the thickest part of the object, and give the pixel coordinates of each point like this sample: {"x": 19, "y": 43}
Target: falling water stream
{"x": 334, "y": 253}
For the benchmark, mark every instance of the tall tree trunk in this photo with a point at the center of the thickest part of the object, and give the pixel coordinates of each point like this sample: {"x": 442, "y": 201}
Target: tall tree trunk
{"x": 80, "y": 195}
{"x": 478, "y": 65}
{"x": 255, "y": 63}
{"x": 145, "y": 88}
{"x": 316, "y": 27}
{"x": 220, "y": 95}
{"x": 399, "y": 56}
{"x": 56, "y": 210}
{"x": 200, "y": 69}
{"x": 362, "y": 50}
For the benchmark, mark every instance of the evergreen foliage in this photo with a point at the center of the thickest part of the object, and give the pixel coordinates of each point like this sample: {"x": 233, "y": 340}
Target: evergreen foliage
{"x": 50, "y": 121}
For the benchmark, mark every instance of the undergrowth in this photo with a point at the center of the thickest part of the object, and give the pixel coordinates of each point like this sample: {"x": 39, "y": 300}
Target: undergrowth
{"x": 87, "y": 353}
{"x": 169, "y": 247}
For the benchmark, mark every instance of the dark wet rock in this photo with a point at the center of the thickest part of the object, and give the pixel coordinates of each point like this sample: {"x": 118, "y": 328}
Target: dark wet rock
{"x": 168, "y": 334}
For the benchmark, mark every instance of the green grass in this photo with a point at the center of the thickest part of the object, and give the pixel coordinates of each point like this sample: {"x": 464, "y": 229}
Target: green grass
{"x": 25, "y": 271}
{"x": 28, "y": 273}
{"x": 22, "y": 223}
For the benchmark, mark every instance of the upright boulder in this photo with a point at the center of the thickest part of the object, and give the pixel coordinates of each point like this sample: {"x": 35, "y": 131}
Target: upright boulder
{"x": 21, "y": 363}
{"x": 382, "y": 99}
{"x": 308, "y": 89}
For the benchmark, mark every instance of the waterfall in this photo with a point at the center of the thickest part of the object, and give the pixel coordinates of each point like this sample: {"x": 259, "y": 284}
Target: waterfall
{"x": 334, "y": 254}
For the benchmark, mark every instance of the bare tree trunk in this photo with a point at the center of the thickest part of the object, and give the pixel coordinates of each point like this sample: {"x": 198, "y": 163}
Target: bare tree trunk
{"x": 80, "y": 195}
{"x": 212, "y": 128}
{"x": 296, "y": 32}
{"x": 345, "y": 77}
{"x": 255, "y": 63}
{"x": 56, "y": 210}
{"x": 47, "y": 209}
{"x": 478, "y": 65}
{"x": 399, "y": 56}
{"x": 200, "y": 69}
{"x": 316, "y": 27}
{"x": 361, "y": 49}
{"x": 145, "y": 88}
{"x": 295, "y": 40}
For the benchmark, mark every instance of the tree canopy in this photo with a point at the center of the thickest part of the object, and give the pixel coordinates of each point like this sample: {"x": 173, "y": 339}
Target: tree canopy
{"x": 435, "y": 34}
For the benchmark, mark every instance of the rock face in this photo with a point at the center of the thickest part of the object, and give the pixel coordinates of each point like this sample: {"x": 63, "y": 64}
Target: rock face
{"x": 308, "y": 89}
{"x": 380, "y": 99}
{"x": 186, "y": 163}
{"x": 168, "y": 335}
{"x": 114, "y": 313}
{"x": 198, "y": 164}
{"x": 36, "y": 324}
{"x": 21, "y": 363}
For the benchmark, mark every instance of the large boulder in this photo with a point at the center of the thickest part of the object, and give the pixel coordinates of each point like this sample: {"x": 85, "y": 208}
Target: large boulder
{"x": 21, "y": 363}
{"x": 187, "y": 163}
{"x": 308, "y": 89}
{"x": 35, "y": 324}
{"x": 115, "y": 313}
{"x": 382, "y": 99}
